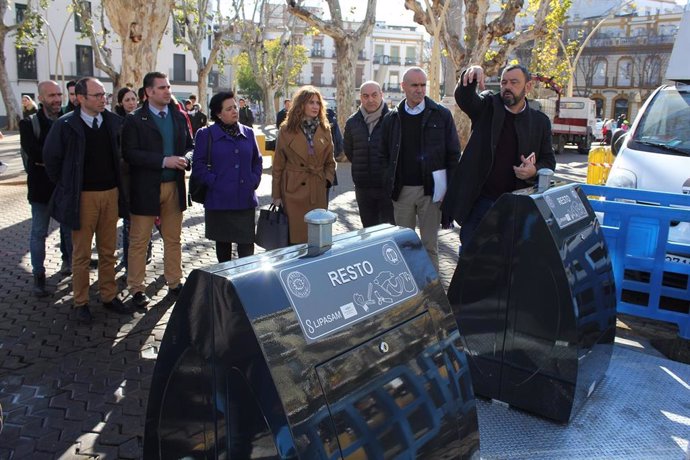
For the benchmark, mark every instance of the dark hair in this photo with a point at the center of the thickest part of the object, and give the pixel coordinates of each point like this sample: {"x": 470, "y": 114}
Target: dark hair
{"x": 121, "y": 94}
{"x": 151, "y": 76}
{"x": 141, "y": 92}
{"x": 216, "y": 104}
{"x": 80, "y": 86}
{"x": 521, "y": 68}
{"x": 71, "y": 83}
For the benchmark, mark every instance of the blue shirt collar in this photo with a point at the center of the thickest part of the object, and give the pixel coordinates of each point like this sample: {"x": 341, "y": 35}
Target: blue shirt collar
{"x": 88, "y": 119}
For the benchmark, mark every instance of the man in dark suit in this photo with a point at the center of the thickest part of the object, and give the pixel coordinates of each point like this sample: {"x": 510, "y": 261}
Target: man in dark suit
{"x": 82, "y": 157}
{"x": 282, "y": 114}
{"x": 246, "y": 114}
{"x": 157, "y": 146}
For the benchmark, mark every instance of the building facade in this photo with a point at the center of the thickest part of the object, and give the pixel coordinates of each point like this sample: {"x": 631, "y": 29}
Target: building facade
{"x": 626, "y": 57}
{"x": 387, "y": 52}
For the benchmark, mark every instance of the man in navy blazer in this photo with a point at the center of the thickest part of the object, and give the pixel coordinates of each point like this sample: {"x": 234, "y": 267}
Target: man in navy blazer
{"x": 157, "y": 146}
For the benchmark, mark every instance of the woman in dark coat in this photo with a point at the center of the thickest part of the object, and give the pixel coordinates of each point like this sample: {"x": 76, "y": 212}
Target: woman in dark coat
{"x": 303, "y": 165}
{"x": 232, "y": 178}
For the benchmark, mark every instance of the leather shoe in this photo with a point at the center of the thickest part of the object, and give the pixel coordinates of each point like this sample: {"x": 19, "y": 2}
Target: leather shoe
{"x": 140, "y": 299}
{"x": 83, "y": 314}
{"x": 177, "y": 289}
{"x": 118, "y": 306}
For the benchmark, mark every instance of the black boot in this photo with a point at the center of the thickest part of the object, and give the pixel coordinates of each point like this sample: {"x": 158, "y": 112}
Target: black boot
{"x": 39, "y": 289}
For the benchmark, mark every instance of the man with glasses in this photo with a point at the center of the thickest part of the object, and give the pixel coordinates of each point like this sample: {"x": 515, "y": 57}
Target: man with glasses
{"x": 157, "y": 146}
{"x": 82, "y": 157}
{"x": 421, "y": 148}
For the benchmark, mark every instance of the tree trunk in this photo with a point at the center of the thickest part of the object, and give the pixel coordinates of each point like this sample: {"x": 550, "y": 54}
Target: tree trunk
{"x": 11, "y": 104}
{"x": 140, "y": 25}
{"x": 480, "y": 35}
{"x": 269, "y": 105}
{"x": 345, "y": 78}
{"x": 347, "y": 45}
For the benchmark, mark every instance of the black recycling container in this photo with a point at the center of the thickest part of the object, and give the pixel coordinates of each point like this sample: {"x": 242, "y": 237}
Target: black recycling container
{"x": 534, "y": 297}
{"x": 350, "y": 353}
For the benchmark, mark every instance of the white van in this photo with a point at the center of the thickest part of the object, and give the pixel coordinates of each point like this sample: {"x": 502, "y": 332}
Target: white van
{"x": 655, "y": 153}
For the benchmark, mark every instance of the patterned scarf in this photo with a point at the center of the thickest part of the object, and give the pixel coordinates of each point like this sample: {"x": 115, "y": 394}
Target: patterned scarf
{"x": 309, "y": 127}
{"x": 371, "y": 118}
{"x": 232, "y": 130}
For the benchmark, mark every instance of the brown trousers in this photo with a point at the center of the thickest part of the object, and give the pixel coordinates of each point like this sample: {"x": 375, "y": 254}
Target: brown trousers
{"x": 140, "y": 234}
{"x": 97, "y": 215}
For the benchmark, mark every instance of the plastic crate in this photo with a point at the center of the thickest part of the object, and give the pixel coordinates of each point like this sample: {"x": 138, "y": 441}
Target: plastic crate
{"x": 651, "y": 279}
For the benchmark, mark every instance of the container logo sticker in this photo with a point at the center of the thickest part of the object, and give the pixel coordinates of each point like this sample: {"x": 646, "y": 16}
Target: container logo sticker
{"x": 299, "y": 285}
{"x": 335, "y": 291}
{"x": 390, "y": 254}
{"x": 686, "y": 187}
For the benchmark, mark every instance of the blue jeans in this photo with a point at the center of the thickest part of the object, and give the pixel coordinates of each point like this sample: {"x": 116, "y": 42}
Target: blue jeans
{"x": 40, "y": 221}
{"x": 66, "y": 244}
{"x": 469, "y": 226}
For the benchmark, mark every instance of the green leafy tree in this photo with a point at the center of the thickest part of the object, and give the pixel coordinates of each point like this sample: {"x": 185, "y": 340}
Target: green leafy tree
{"x": 246, "y": 81}
{"x": 550, "y": 56}
{"x": 27, "y": 33}
{"x": 274, "y": 63}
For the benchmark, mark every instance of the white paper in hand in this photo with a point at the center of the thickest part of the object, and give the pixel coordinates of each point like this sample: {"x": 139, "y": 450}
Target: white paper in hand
{"x": 440, "y": 185}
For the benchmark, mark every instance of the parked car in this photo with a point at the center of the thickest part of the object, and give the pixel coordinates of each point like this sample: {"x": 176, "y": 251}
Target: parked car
{"x": 654, "y": 154}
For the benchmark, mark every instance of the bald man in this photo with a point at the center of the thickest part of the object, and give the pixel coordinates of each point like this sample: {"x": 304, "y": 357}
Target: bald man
{"x": 40, "y": 188}
{"x": 421, "y": 147}
{"x": 362, "y": 146}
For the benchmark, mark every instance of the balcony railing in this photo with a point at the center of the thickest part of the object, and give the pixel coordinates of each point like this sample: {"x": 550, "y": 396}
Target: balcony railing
{"x": 316, "y": 81}
{"x": 386, "y": 59}
{"x": 602, "y": 42}
{"x": 410, "y": 61}
{"x": 317, "y": 52}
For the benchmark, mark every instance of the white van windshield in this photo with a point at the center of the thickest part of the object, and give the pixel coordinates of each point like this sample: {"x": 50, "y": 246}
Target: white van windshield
{"x": 665, "y": 125}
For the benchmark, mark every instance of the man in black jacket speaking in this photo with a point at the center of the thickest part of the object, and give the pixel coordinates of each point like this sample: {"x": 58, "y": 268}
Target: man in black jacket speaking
{"x": 509, "y": 143}
{"x": 362, "y": 146}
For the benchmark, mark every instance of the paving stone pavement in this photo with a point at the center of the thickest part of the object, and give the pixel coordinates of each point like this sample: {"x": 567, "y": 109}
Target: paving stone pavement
{"x": 70, "y": 391}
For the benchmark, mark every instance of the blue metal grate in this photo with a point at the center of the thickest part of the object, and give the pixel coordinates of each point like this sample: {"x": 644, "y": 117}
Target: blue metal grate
{"x": 651, "y": 280}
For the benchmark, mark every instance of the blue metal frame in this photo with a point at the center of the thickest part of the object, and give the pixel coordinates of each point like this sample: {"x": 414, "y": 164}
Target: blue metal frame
{"x": 636, "y": 232}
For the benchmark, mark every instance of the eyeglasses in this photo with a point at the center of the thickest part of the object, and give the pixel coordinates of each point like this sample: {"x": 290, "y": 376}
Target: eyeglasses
{"x": 97, "y": 95}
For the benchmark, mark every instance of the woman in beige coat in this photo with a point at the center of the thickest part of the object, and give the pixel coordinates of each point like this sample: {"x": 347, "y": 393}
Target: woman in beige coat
{"x": 303, "y": 164}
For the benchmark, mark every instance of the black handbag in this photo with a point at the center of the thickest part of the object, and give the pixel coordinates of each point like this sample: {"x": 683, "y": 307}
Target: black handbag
{"x": 272, "y": 231}
{"x": 197, "y": 189}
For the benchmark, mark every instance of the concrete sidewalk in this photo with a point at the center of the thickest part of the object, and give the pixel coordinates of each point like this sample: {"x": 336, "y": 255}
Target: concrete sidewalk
{"x": 70, "y": 391}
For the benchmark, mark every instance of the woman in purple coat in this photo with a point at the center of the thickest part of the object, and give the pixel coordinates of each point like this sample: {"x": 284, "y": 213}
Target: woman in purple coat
{"x": 232, "y": 177}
